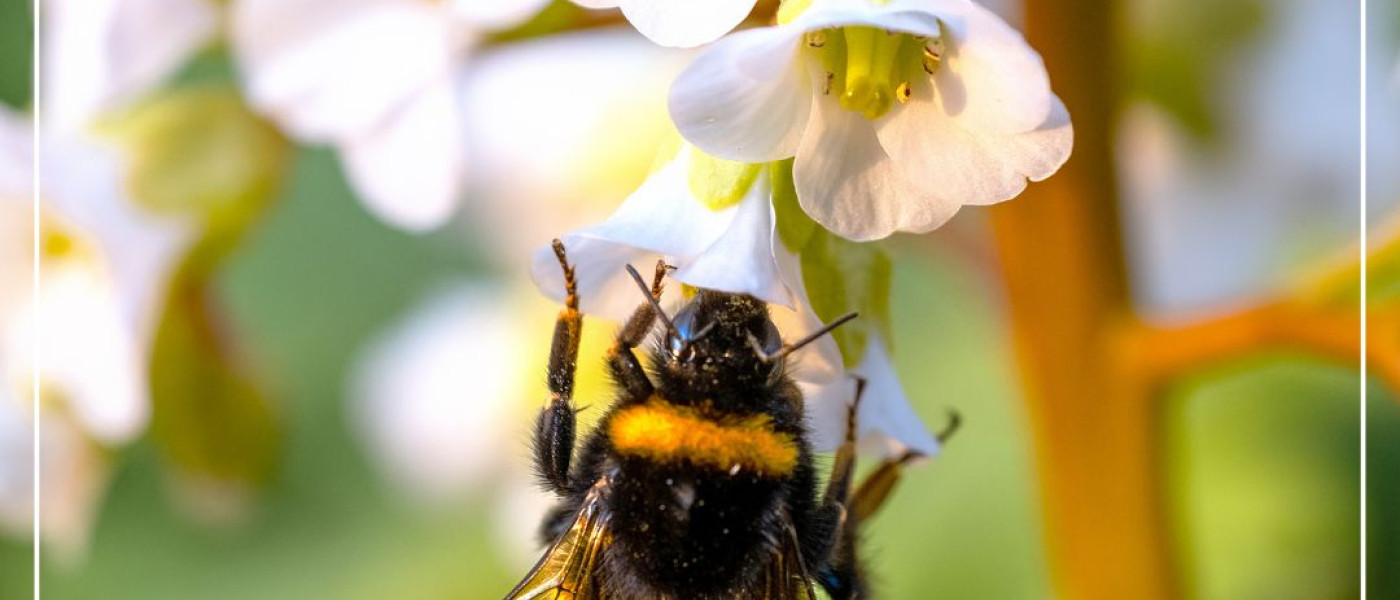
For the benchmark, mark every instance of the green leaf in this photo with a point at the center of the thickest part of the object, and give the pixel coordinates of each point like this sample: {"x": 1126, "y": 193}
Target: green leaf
{"x": 209, "y": 417}
{"x": 719, "y": 183}
{"x": 200, "y": 151}
{"x": 795, "y": 228}
{"x": 1179, "y": 54}
{"x": 842, "y": 277}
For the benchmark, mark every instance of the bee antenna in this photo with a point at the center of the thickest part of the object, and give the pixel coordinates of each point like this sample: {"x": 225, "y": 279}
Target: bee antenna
{"x": 646, "y": 291}
{"x": 704, "y": 331}
{"x": 814, "y": 336}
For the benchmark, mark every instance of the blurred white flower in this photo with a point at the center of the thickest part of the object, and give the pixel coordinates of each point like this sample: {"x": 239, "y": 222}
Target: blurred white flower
{"x": 104, "y": 265}
{"x": 376, "y": 79}
{"x": 1212, "y": 229}
{"x": 435, "y": 397}
{"x": 734, "y": 249}
{"x": 679, "y": 23}
{"x": 443, "y": 403}
{"x": 543, "y": 163}
{"x": 101, "y": 54}
{"x": 898, "y": 112}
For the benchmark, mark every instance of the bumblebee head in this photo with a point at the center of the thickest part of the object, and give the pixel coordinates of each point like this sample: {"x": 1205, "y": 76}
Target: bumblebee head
{"x": 719, "y": 345}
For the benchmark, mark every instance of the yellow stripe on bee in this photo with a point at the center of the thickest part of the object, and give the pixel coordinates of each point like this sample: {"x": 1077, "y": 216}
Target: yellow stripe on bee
{"x": 663, "y": 432}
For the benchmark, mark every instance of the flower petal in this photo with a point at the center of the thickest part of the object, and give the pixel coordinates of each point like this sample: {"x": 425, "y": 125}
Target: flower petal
{"x": 991, "y": 79}
{"x": 661, "y": 218}
{"x": 327, "y": 70}
{"x": 408, "y": 170}
{"x": 100, "y": 54}
{"x": 461, "y": 342}
{"x": 826, "y": 404}
{"x": 741, "y": 259}
{"x": 914, "y": 17}
{"x": 685, "y": 23}
{"x": 888, "y": 424}
{"x": 495, "y": 14}
{"x": 957, "y": 164}
{"x": 664, "y": 217}
{"x": 604, "y": 289}
{"x": 74, "y": 474}
{"x": 92, "y": 355}
{"x": 847, "y": 182}
{"x": 745, "y": 98}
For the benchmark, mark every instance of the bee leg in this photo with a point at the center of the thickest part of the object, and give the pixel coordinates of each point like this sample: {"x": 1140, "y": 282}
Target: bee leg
{"x": 844, "y": 577}
{"x": 622, "y": 361}
{"x": 876, "y": 488}
{"x": 555, "y": 427}
{"x": 838, "y": 571}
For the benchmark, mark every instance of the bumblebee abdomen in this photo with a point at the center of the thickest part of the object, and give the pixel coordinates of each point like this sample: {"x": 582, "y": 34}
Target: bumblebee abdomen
{"x": 686, "y": 533}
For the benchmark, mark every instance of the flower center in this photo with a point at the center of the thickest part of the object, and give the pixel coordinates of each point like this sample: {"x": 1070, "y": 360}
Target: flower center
{"x": 870, "y": 69}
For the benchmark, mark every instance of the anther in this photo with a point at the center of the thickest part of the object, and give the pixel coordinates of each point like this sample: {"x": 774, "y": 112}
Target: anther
{"x": 933, "y": 55}
{"x": 816, "y": 39}
{"x": 903, "y": 93}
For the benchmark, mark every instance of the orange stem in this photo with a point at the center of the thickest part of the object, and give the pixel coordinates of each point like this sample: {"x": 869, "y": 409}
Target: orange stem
{"x": 1163, "y": 353}
{"x": 1097, "y": 444}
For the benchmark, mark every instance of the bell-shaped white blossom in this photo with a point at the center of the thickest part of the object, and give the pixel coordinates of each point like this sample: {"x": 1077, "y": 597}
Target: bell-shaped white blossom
{"x": 886, "y": 423}
{"x": 729, "y": 249}
{"x": 102, "y": 54}
{"x": 733, "y": 249}
{"x": 376, "y": 79}
{"x": 898, "y": 112}
{"x": 105, "y": 264}
{"x": 679, "y": 23}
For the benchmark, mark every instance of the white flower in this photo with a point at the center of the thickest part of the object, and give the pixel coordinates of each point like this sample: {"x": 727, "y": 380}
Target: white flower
{"x": 102, "y": 54}
{"x": 376, "y": 79}
{"x": 444, "y": 403}
{"x": 434, "y": 397}
{"x": 538, "y": 154}
{"x": 732, "y": 249}
{"x": 898, "y": 112}
{"x": 887, "y": 425}
{"x": 729, "y": 249}
{"x": 679, "y": 23}
{"x": 104, "y": 269}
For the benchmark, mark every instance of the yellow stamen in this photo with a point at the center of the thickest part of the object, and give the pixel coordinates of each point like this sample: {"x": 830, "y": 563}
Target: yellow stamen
{"x": 870, "y": 69}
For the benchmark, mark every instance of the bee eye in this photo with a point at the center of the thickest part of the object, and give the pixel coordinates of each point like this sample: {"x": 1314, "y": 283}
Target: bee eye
{"x": 772, "y": 340}
{"x": 685, "y": 331}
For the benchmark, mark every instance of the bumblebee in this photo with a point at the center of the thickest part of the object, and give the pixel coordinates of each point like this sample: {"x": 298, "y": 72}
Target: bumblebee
{"x": 698, "y": 483}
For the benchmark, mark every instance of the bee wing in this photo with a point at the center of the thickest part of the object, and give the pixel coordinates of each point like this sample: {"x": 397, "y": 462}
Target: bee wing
{"x": 787, "y": 577}
{"x": 565, "y": 572}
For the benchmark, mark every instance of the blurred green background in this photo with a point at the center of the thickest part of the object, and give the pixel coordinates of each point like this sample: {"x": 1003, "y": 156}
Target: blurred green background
{"x": 1263, "y": 452}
